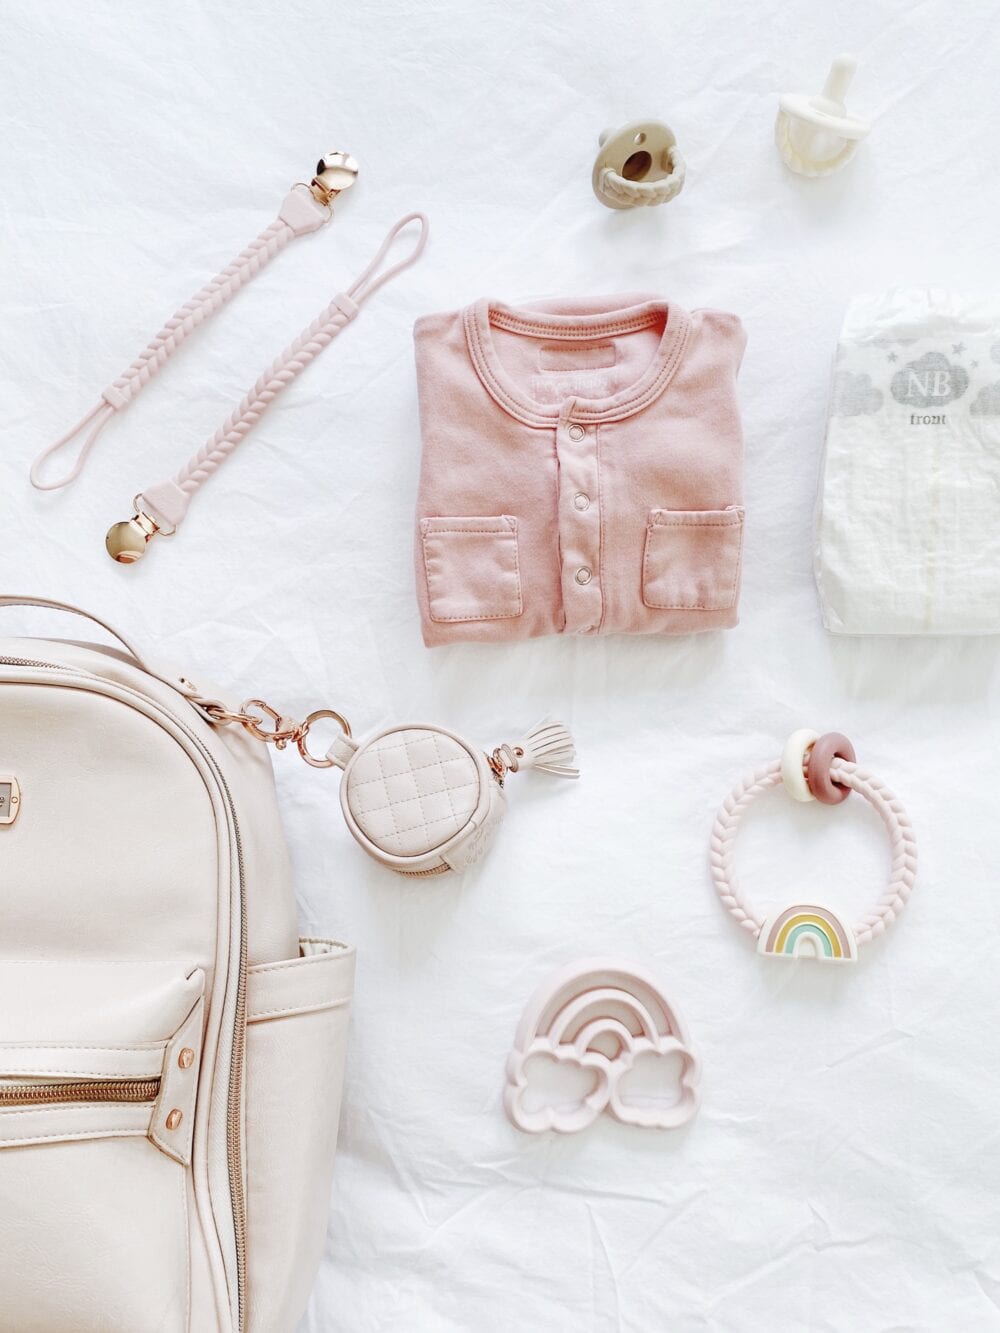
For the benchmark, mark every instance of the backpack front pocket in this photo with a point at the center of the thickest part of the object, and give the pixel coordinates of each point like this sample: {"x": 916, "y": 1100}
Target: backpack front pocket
{"x": 692, "y": 559}
{"x": 99, "y": 1066}
{"x": 472, "y": 569}
{"x": 297, "y": 1017}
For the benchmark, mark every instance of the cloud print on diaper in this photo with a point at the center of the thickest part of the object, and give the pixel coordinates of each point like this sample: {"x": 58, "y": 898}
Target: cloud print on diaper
{"x": 855, "y": 395}
{"x": 930, "y": 381}
{"x": 987, "y": 401}
{"x": 600, "y": 1036}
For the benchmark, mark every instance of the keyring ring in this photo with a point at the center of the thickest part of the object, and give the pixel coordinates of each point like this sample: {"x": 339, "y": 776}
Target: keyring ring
{"x": 809, "y": 930}
{"x": 318, "y": 716}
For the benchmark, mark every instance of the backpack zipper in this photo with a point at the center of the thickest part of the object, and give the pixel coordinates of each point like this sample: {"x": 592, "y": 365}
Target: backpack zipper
{"x": 234, "y": 1123}
{"x": 26, "y": 661}
{"x": 234, "y": 1137}
{"x": 28, "y": 1092}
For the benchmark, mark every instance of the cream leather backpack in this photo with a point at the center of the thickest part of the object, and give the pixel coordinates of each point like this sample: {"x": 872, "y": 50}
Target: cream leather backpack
{"x": 171, "y": 1053}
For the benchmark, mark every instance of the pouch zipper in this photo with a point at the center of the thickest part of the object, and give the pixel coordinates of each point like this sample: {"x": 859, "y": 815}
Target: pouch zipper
{"x": 28, "y": 1092}
{"x": 234, "y": 1136}
{"x": 423, "y": 874}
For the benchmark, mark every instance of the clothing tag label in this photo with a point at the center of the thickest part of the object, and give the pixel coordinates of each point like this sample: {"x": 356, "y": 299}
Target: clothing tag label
{"x": 553, "y": 388}
{"x": 570, "y": 356}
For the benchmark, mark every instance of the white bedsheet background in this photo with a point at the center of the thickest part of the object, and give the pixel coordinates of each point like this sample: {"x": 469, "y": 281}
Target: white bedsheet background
{"x": 844, "y": 1172}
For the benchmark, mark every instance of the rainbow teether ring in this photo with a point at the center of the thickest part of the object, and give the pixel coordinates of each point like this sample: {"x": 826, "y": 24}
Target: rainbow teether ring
{"x": 821, "y": 768}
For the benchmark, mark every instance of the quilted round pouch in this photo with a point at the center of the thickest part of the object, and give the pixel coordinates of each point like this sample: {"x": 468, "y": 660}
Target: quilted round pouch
{"x": 423, "y": 801}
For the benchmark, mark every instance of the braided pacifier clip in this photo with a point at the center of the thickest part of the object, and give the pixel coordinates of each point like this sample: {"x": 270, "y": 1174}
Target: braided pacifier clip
{"x": 160, "y": 509}
{"x": 820, "y": 768}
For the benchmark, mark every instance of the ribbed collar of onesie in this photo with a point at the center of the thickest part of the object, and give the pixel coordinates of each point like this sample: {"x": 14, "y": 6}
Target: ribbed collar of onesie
{"x": 598, "y": 317}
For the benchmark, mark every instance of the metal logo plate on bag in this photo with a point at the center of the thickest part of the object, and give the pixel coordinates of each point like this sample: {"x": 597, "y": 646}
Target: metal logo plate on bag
{"x": 10, "y": 800}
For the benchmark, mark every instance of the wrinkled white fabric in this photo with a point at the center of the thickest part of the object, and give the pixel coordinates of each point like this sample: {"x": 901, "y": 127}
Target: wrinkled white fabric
{"x": 908, "y": 537}
{"x": 843, "y": 1174}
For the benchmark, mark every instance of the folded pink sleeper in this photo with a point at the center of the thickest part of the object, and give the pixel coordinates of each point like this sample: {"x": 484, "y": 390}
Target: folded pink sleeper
{"x": 582, "y": 470}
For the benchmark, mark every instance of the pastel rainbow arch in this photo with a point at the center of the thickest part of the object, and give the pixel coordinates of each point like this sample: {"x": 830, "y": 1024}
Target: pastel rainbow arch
{"x": 606, "y": 1018}
{"x": 808, "y": 931}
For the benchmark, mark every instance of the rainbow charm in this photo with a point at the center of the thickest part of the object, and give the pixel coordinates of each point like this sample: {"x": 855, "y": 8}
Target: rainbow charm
{"x": 808, "y": 931}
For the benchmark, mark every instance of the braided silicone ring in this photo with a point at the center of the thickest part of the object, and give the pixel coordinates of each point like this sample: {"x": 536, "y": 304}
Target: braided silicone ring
{"x": 822, "y": 924}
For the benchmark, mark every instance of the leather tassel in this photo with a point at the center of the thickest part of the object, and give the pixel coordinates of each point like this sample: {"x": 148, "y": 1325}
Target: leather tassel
{"x": 547, "y": 747}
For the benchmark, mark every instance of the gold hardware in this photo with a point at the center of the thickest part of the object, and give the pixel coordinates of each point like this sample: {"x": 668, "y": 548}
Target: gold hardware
{"x": 285, "y": 729}
{"x": 10, "y": 800}
{"x": 186, "y": 1058}
{"x": 266, "y": 724}
{"x": 503, "y": 760}
{"x": 335, "y": 172}
{"x": 174, "y": 1118}
{"x": 300, "y": 739}
{"x": 126, "y": 541}
{"x": 106, "y": 1090}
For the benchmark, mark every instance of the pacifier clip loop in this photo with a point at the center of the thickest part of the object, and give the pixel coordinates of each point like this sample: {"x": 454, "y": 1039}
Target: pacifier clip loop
{"x": 305, "y": 209}
{"x": 160, "y": 509}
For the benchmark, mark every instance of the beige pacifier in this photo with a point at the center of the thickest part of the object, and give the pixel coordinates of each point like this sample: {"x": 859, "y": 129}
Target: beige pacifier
{"x": 638, "y": 166}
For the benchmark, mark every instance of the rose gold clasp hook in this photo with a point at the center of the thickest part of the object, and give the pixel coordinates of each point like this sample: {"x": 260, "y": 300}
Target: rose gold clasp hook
{"x": 255, "y": 714}
{"x": 266, "y": 724}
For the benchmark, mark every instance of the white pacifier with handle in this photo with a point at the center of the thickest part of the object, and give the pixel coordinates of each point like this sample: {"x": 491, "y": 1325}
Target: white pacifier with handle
{"x": 815, "y": 135}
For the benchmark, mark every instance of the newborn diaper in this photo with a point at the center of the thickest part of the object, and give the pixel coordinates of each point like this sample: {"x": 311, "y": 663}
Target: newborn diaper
{"x": 909, "y": 507}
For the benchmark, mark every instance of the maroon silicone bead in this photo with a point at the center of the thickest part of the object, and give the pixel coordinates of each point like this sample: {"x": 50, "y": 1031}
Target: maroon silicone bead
{"x": 819, "y": 778}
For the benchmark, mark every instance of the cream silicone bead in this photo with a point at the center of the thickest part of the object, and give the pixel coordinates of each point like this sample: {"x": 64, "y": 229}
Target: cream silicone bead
{"x": 793, "y": 763}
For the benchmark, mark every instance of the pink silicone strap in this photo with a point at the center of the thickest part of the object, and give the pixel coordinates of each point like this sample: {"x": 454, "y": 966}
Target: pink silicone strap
{"x": 299, "y": 214}
{"x": 897, "y": 822}
{"x": 168, "y": 501}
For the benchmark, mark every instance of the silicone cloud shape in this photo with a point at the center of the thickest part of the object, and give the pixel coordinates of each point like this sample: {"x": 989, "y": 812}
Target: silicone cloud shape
{"x": 987, "y": 401}
{"x": 855, "y": 395}
{"x": 564, "y": 1115}
{"x": 607, "y": 1020}
{"x": 930, "y": 381}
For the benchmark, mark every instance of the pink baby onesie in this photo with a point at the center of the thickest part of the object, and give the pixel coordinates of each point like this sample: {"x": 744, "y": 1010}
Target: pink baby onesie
{"x": 582, "y": 470}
